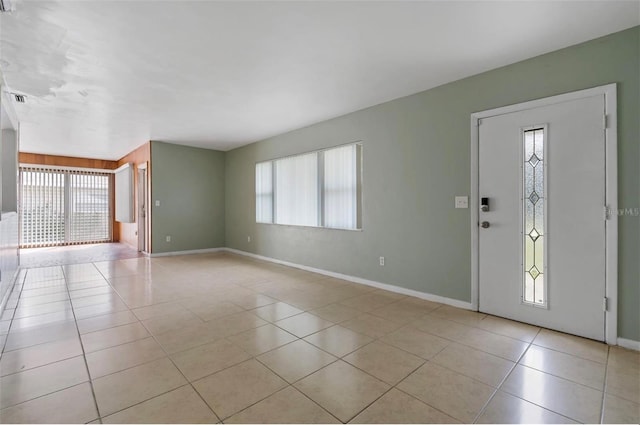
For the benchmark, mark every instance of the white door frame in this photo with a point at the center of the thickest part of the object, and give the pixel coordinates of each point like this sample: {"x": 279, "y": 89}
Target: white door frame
{"x": 142, "y": 197}
{"x": 610, "y": 120}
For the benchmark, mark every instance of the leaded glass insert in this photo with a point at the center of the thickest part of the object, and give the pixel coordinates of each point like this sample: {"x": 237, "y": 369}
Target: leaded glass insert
{"x": 533, "y": 223}
{"x": 534, "y": 160}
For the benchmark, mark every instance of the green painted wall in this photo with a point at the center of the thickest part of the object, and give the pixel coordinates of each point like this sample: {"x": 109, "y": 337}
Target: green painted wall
{"x": 189, "y": 183}
{"x": 416, "y": 159}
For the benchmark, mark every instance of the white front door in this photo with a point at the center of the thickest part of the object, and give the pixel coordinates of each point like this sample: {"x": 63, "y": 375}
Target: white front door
{"x": 542, "y": 251}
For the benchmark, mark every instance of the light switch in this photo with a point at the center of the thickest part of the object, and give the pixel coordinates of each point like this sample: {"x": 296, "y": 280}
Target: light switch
{"x": 462, "y": 202}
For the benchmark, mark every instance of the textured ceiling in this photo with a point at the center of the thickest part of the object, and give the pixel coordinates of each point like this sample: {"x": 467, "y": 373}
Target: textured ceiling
{"x": 103, "y": 77}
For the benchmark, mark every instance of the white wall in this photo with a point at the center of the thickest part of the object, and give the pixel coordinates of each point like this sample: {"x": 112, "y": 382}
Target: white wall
{"x": 9, "y": 252}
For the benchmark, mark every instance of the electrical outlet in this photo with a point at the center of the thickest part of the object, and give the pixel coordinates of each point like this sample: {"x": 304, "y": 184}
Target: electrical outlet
{"x": 157, "y": 203}
{"x": 248, "y": 238}
{"x": 168, "y": 238}
{"x": 382, "y": 261}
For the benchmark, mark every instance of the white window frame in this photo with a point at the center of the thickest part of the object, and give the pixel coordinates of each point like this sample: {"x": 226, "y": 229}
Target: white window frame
{"x": 320, "y": 182}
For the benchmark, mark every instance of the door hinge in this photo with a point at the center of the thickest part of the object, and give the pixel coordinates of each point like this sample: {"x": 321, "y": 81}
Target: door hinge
{"x": 605, "y": 121}
{"x": 607, "y": 213}
{"x": 478, "y": 122}
{"x": 605, "y": 304}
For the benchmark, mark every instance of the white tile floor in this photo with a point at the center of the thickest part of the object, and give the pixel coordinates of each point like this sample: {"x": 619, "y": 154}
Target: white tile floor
{"x": 75, "y": 254}
{"x": 219, "y": 337}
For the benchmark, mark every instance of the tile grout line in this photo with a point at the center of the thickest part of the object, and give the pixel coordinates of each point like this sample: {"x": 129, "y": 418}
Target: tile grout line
{"x": 565, "y": 378}
{"x": 341, "y": 358}
{"x": 499, "y": 386}
{"x": 375, "y": 339}
{"x": 65, "y": 291}
{"x": 557, "y": 350}
{"x": 228, "y": 367}
{"x": 4, "y": 343}
{"x": 47, "y": 394}
{"x": 314, "y": 402}
{"x": 543, "y": 407}
{"x": 100, "y": 417}
{"x": 337, "y": 358}
{"x": 43, "y": 395}
{"x": 189, "y": 383}
{"x": 84, "y": 355}
{"x": 470, "y": 346}
{"x": 256, "y": 358}
{"x": 271, "y": 394}
{"x": 290, "y": 384}
{"x": 529, "y": 401}
{"x": 423, "y": 402}
{"x": 604, "y": 387}
{"x": 391, "y": 387}
{"x": 484, "y": 318}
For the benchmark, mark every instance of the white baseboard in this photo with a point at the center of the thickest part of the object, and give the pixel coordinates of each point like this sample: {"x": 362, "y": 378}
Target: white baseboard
{"x": 629, "y": 343}
{"x": 355, "y": 279}
{"x": 192, "y": 251}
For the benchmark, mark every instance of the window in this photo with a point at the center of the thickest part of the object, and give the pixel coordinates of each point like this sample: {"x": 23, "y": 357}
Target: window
{"x": 125, "y": 212}
{"x": 534, "y": 219}
{"x": 341, "y": 187}
{"x": 64, "y": 207}
{"x": 297, "y": 190}
{"x": 319, "y": 189}
{"x": 264, "y": 192}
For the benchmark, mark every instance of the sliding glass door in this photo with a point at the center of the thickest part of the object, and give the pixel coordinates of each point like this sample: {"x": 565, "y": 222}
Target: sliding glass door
{"x": 64, "y": 207}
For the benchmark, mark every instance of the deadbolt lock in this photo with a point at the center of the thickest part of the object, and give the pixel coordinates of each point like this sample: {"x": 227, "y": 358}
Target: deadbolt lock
{"x": 484, "y": 204}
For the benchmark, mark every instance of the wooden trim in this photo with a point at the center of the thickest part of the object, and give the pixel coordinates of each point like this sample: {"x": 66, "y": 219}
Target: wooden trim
{"x": 66, "y": 161}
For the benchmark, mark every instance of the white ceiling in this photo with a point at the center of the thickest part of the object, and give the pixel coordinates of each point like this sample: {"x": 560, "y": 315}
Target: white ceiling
{"x": 103, "y": 77}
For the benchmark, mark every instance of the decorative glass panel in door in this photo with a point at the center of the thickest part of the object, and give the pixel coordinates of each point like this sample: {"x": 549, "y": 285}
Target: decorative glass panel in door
{"x": 533, "y": 290}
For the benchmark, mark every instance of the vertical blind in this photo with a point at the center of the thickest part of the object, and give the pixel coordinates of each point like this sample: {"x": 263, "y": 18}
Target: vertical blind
{"x": 264, "y": 192}
{"x": 313, "y": 189}
{"x": 42, "y": 207}
{"x": 340, "y": 187}
{"x": 297, "y": 190}
{"x": 64, "y": 207}
{"x": 124, "y": 208}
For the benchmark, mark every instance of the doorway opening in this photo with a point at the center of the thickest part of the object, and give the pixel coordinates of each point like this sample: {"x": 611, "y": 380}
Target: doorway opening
{"x": 142, "y": 207}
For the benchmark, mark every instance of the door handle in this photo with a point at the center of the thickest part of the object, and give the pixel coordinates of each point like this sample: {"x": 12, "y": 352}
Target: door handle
{"x": 485, "y": 225}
